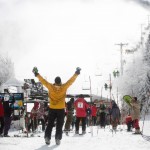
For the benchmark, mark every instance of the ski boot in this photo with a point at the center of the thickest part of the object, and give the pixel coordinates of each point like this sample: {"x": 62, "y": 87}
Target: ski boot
{"x": 47, "y": 141}
{"x": 57, "y": 142}
{"x": 83, "y": 132}
{"x": 137, "y": 131}
{"x": 6, "y": 135}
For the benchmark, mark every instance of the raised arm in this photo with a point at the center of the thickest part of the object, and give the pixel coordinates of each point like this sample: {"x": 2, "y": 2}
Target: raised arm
{"x": 41, "y": 79}
{"x": 73, "y": 78}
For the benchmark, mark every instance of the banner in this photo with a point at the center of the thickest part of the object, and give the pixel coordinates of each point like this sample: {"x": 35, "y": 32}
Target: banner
{"x": 19, "y": 98}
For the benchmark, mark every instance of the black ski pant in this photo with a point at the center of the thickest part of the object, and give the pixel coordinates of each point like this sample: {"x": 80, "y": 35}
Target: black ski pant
{"x": 102, "y": 119}
{"x": 129, "y": 125}
{"x": 58, "y": 115}
{"x": 1, "y": 124}
{"x": 94, "y": 120}
{"x": 83, "y": 119}
{"x": 7, "y": 122}
{"x": 33, "y": 124}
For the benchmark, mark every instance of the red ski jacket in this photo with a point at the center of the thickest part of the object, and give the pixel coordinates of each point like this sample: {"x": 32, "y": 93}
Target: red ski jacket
{"x": 81, "y": 106}
{"x": 128, "y": 119}
{"x": 1, "y": 109}
{"x": 94, "y": 110}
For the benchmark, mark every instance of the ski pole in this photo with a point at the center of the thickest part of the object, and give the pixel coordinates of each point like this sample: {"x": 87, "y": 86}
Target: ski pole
{"x": 143, "y": 121}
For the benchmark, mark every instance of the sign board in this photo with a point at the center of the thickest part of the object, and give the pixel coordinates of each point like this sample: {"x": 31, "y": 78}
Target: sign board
{"x": 19, "y": 98}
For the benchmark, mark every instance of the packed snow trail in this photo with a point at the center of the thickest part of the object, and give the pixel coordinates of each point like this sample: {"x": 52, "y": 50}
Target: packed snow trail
{"x": 103, "y": 139}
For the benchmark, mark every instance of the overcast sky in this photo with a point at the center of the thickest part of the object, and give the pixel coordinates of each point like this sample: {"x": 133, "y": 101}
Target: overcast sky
{"x": 58, "y": 36}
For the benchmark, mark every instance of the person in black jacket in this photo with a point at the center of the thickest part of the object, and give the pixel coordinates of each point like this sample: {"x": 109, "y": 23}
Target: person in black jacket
{"x": 1, "y": 117}
{"x": 88, "y": 116}
{"x": 102, "y": 113}
{"x": 8, "y": 109}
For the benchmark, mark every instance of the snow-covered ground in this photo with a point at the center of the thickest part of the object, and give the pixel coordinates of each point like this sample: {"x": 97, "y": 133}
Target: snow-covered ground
{"x": 101, "y": 139}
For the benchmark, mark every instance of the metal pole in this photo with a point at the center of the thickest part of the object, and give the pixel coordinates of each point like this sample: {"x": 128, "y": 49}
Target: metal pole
{"x": 91, "y": 103}
{"x": 121, "y": 56}
{"x": 101, "y": 87}
{"x": 121, "y": 62}
{"x": 117, "y": 95}
{"x": 90, "y": 90}
{"x": 110, "y": 86}
{"x": 101, "y": 92}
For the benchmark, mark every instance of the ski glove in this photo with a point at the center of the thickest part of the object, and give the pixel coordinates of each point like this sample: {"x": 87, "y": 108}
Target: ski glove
{"x": 35, "y": 71}
{"x": 78, "y": 69}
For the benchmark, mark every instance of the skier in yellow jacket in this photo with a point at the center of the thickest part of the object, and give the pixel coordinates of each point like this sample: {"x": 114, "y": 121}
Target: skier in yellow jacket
{"x": 57, "y": 95}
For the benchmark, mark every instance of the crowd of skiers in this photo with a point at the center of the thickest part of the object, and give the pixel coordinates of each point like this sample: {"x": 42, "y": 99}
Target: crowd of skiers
{"x": 65, "y": 116}
{"x": 77, "y": 112}
{"x": 88, "y": 114}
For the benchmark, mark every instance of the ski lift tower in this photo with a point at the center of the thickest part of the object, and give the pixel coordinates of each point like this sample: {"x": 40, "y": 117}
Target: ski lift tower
{"x": 89, "y": 88}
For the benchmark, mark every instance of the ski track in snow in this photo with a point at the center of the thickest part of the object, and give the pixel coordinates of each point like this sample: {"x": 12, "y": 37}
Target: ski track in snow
{"x": 121, "y": 140}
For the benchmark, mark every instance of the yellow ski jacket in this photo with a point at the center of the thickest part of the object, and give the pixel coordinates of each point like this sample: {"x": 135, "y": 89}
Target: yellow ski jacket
{"x": 57, "y": 93}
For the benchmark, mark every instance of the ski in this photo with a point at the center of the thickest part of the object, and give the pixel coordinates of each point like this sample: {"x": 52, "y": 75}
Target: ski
{"x": 17, "y": 135}
{"x": 137, "y": 133}
{"x": 81, "y": 134}
{"x": 146, "y": 137}
{"x": 34, "y": 135}
{"x": 25, "y": 135}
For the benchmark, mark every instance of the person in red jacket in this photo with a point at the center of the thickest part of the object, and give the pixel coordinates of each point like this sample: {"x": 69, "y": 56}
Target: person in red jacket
{"x": 129, "y": 122}
{"x": 1, "y": 116}
{"x": 94, "y": 112}
{"x": 81, "y": 106}
{"x": 33, "y": 117}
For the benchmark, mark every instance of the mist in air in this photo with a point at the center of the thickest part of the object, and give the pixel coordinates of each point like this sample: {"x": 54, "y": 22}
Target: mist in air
{"x": 57, "y": 36}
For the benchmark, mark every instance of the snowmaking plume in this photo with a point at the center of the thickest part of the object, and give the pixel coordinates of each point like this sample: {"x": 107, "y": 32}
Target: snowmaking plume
{"x": 143, "y": 3}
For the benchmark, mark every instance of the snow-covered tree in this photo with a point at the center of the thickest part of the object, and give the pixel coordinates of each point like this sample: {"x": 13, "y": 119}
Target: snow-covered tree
{"x": 145, "y": 94}
{"x": 136, "y": 78}
{"x": 6, "y": 69}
